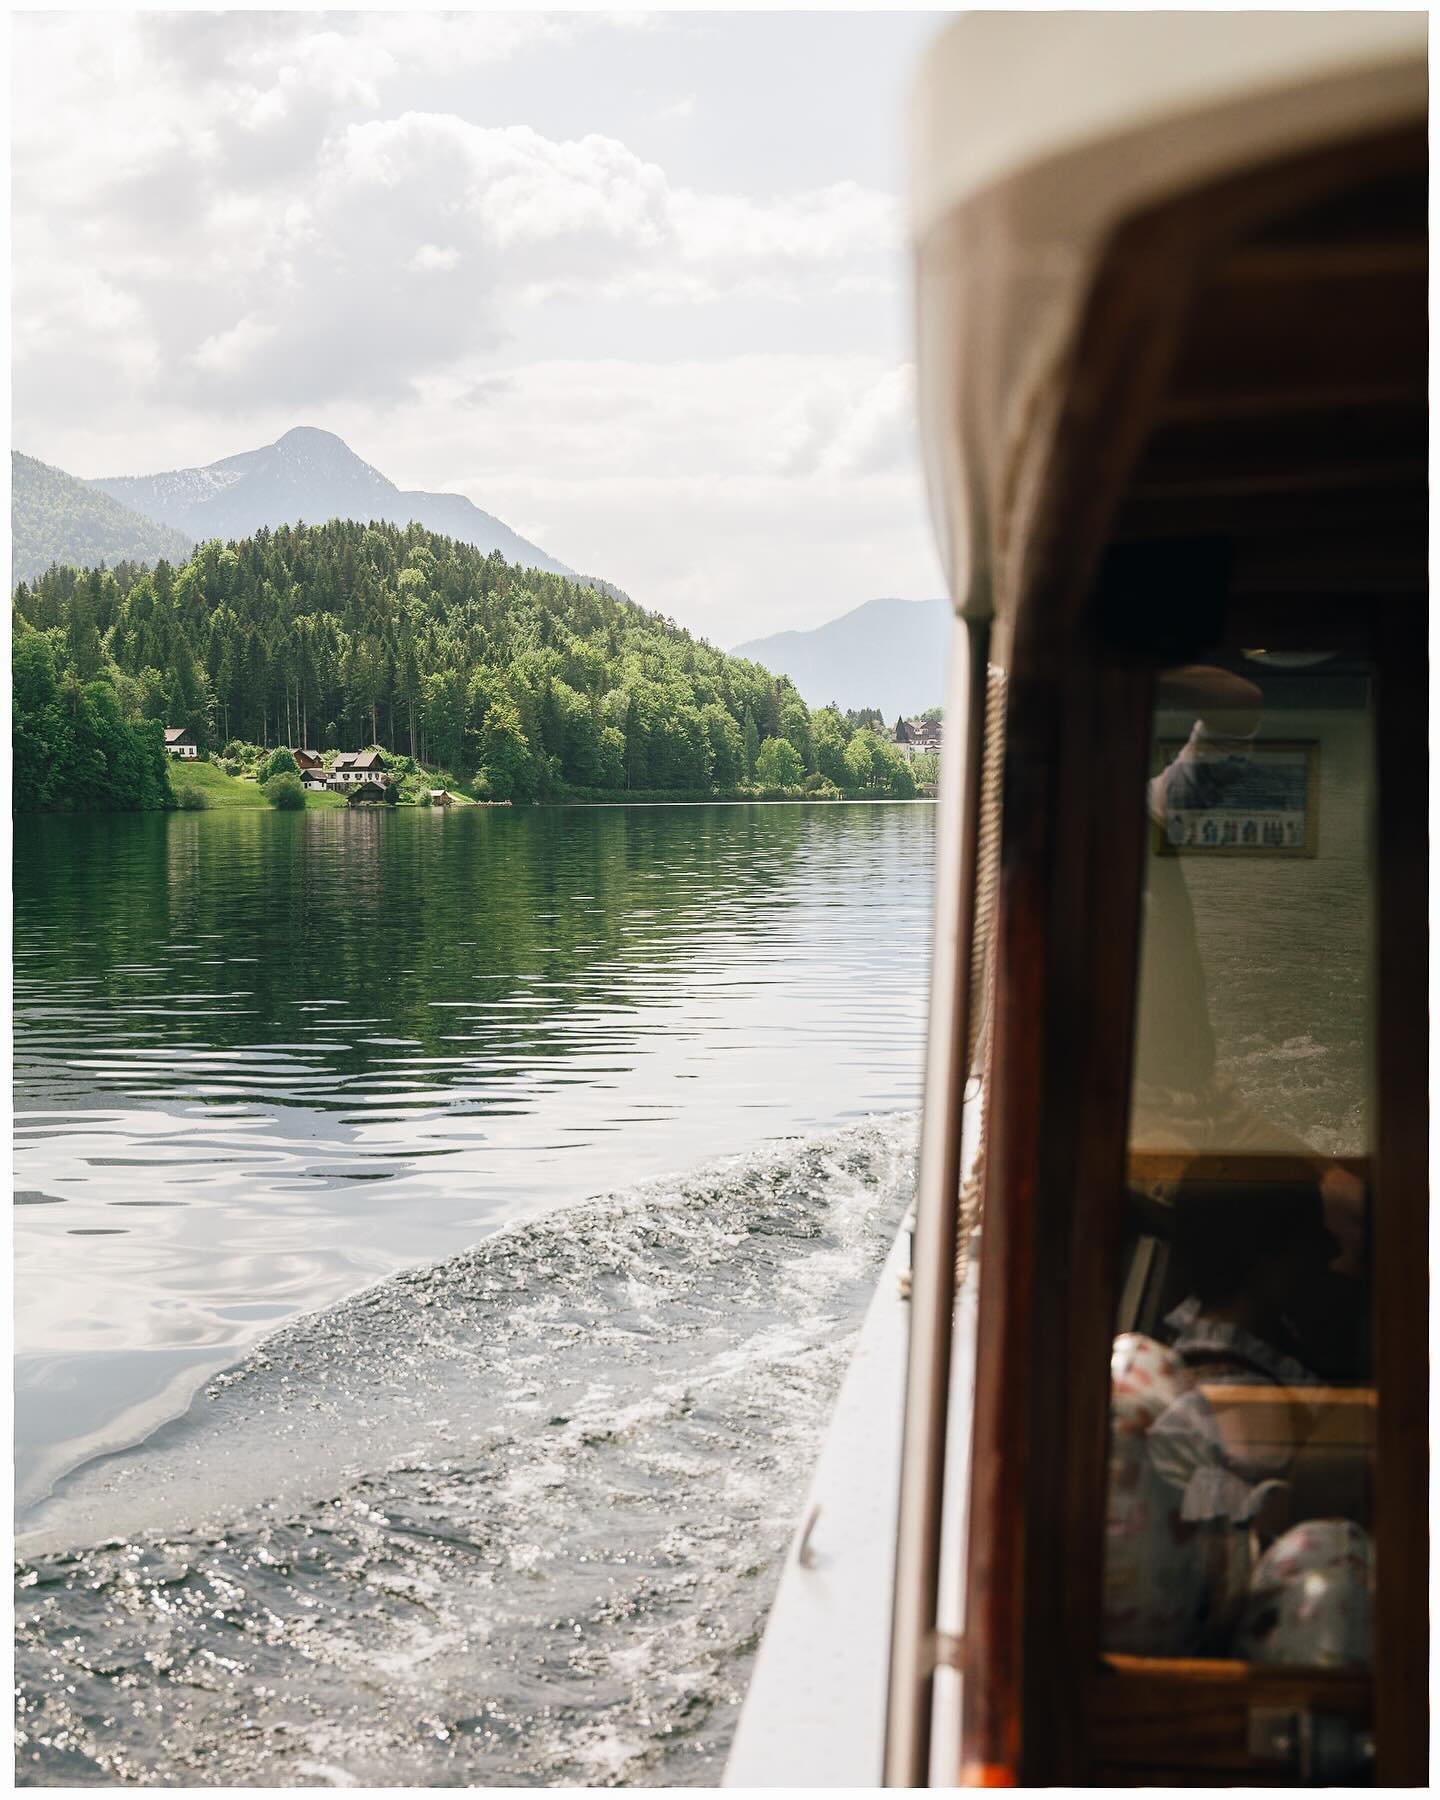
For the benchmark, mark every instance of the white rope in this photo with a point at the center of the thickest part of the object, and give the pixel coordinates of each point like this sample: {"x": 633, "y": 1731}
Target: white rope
{"x": 982, "y": 955}
{"x": 982, "y": 965}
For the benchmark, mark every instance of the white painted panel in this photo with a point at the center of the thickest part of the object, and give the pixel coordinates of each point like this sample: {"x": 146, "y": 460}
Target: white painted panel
{"x": 815, "y": 1712}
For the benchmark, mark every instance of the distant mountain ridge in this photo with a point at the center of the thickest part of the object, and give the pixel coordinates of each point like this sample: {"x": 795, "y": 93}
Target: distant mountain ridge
{"x": 314, "y": 476}
{"x": 886, "y": 653}
{"x": 57, "y": 518}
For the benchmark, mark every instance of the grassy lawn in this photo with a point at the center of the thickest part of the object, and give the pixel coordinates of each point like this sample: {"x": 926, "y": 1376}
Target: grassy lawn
{"x": 221, "y": 789}
{"x": 412, "y": 786}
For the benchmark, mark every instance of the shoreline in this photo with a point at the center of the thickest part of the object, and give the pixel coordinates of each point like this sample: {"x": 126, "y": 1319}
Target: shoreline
{"x": 570, "y": 802}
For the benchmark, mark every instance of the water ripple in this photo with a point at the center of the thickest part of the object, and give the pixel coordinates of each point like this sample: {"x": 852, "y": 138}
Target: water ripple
{"x": 416, "y": 1025}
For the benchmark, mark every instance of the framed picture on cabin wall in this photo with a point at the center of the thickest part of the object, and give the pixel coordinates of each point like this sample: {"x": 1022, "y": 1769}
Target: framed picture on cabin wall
{"x": 1264, "y": 801}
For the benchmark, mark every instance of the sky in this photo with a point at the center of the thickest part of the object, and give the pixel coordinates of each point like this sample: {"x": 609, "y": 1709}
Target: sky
{"x": 636, "y": 283}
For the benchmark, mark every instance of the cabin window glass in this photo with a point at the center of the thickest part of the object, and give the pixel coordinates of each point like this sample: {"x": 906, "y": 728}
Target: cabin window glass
{"x": 1240, "y": 1503}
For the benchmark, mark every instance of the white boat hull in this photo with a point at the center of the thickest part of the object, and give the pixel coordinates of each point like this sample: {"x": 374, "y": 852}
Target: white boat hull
{"x": 814, "y": 1715}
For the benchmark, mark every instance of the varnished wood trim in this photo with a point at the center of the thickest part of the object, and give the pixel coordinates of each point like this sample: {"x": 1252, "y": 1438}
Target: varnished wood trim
{"x": 1035, "y": 1697}
{"x": 1401, "y": 1208}
{"x": 1162, "y": 1671}
{"x": 1151, "y": 1714}
{"x": 1145, "y": 1166}
{"x": 1076, "y": 764}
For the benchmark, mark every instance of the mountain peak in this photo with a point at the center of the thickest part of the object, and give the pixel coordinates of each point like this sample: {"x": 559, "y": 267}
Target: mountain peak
{"x": 888, "y": 653}
{"x": 308, "y": 448}
{"x": 309, "y": 474}
{"x": 301, "y": 436}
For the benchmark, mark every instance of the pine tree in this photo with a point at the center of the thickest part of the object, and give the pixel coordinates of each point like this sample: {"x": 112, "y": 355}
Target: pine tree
{"x": 335, "y": 632}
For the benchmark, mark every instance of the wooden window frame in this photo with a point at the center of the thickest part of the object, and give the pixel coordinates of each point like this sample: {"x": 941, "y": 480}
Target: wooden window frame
{"x": 1068, "y": 964}
{"x": 1040, "y": 1703}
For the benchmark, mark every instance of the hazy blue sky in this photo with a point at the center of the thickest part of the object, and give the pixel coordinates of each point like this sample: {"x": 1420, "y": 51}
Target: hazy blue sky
{"x": 635, "y": 282}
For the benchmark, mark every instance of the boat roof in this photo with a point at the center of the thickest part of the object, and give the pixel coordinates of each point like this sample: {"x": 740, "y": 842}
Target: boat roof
{"x": 1000, "y": 92}
{"x": 1046, "y": 149}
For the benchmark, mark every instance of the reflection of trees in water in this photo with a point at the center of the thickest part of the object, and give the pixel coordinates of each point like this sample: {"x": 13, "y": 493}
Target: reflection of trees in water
{"x": 430, "y": 928}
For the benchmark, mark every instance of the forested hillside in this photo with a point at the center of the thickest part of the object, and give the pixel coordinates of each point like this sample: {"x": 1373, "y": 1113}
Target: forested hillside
{"x": 74, "y": 746}
{"x": 345, "y": 635}
{"x": 55, "y": 518}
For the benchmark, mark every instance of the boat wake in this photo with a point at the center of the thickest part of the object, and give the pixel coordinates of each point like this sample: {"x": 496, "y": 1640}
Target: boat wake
{"x": 515, "y": 1518}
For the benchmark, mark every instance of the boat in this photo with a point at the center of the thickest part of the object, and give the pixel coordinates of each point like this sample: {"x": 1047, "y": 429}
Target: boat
{"x": 1127, "y": 1482}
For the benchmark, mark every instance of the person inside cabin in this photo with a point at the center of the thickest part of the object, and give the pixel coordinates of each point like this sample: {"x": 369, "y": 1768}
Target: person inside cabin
{"x": 1266, "y": 1287}
{"x": 1203, "y": 1557}
{"x": 1192, "y": 1502}
{"x": 1266, "y": 1299}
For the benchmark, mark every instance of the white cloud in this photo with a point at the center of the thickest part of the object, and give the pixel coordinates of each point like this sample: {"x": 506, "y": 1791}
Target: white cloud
{"x": 327, "y": 287}
{"x": 664, "y": 478}
{"x": 829, "y": 224}
{"x": 853, "y": 420}
{"x": 679, "y": 374}
{"x": 513, "y": 189}
{"x": 104, "y": 99}
{"x": 435, "y": 259}
{"x": 232, "y": 352}
{"x": 678, "y": 112}
{"x": 879, "y": 432}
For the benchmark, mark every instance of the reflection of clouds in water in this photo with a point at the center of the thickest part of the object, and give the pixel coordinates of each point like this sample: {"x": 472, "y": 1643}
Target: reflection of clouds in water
{"x": 522, "y": 1008}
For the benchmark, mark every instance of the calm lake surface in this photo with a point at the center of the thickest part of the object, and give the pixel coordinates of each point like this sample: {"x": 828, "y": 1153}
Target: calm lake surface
{"x": 515, "y": 1516}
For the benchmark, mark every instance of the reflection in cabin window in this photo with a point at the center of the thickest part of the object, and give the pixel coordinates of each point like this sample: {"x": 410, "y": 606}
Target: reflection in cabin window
{"x": 1242, "y": 1412}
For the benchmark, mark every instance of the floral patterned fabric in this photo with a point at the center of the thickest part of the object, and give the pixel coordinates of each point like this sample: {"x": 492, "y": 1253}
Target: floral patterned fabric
{"x": 1311, "y": 1598}
{"x": 1181, "y": 1576}
{"x": 1154, "y": 1575}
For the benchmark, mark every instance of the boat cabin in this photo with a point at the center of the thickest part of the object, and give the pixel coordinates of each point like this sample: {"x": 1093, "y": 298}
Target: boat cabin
{"x": 1172, "y": 275}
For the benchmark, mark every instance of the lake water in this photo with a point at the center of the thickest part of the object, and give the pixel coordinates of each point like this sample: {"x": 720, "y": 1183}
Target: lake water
{"x": 438, "y": 1239}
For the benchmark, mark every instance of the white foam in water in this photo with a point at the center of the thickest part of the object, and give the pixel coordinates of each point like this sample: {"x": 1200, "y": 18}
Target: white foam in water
{"x": 512, "y": 1518}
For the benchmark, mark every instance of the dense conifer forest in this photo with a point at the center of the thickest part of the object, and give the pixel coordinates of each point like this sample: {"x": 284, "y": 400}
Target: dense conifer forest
{"x": 344, "y": 635}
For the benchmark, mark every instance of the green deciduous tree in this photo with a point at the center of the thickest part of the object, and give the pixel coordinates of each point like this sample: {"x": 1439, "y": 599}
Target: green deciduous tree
{"x": 727, "y": 746}
{"x": 902, "y": 782}
{"x": 860, "y": 755}
{"x": 751, "y": 743}
{"x": 796, "y": 730}
{"x": 347, "y": 634}
{"x": 779, "y": 764}
{"x": 505, "y": 754}
{"x": 41, "y": 746}
{"x": 830, "y": 735}
{"x": 279, "y": 762}
{"x": 285, "y": 792}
